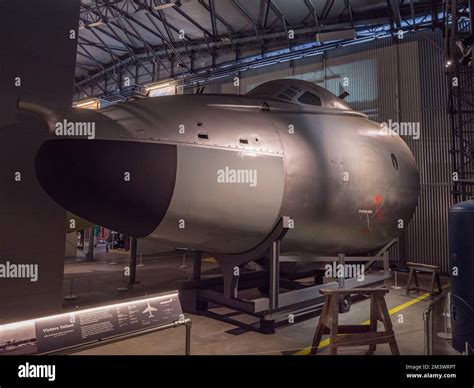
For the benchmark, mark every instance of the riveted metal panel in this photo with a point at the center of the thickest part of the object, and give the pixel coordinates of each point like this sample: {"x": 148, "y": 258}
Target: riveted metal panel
{"x": 199, "y": 215}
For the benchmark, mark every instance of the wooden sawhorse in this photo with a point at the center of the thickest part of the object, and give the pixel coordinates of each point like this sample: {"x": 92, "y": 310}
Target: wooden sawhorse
{"x": 433, "y": 269}
{"x": 355, "y": 335}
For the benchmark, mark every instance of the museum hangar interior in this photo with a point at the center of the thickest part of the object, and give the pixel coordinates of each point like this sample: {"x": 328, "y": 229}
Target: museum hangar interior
{"x": 259, "y": 168}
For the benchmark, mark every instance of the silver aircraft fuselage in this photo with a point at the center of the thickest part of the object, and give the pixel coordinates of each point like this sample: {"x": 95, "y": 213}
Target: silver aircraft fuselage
{"x": 216, "y": 172}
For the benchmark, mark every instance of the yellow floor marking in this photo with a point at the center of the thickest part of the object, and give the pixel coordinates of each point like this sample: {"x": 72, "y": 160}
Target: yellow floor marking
{"x": 324, "y": 343}
{"x": 403, "y": 306}
{"x": 210, "y": 260}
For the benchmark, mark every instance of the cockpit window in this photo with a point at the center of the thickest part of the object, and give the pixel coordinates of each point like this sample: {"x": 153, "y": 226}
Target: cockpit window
{"x": 290, "y": 92}
{"x": 283, "y": 97}
{"x": 298, "y": 92}
{"x": 309, "y": 98}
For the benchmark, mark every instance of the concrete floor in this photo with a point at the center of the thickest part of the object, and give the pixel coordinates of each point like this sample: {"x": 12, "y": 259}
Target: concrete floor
{"x": 97, "y": 282}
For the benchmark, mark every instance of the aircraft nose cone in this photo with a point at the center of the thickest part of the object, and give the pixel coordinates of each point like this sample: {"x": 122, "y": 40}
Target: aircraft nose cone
{"x": 125, "y": 186}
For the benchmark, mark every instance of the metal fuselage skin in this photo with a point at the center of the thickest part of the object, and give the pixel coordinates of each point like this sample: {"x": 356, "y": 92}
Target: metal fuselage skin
{"x": 348, "y": 185}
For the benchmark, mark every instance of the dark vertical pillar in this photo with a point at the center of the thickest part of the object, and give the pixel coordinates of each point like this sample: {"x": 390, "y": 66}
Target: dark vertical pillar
{"x": 37, "y": 64}
{"x": 82, "y": 238}
{"x": 274, "y": 274}
{"x": 133, "y": 261}
{"x": 197, "y": 265}
{"x": 90, "y": 248}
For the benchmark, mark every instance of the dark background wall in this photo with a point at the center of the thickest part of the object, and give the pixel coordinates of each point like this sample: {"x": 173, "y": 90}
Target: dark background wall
{"x": 35, "y": 45}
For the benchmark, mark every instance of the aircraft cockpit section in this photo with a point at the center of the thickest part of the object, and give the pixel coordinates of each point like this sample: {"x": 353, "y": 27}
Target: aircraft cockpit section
{"x": 298, "y": 92}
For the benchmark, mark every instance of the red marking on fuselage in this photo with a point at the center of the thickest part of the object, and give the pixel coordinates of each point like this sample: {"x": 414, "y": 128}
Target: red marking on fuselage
{"x": 378, "y": 206}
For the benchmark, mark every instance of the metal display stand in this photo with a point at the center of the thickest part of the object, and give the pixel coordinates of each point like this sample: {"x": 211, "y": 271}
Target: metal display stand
{"x": 185, "y": 322}
{"x": 277, "y": 306}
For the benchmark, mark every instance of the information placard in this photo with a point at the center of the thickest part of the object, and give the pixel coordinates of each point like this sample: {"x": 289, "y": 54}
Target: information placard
{"x": 75, "y": 328}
